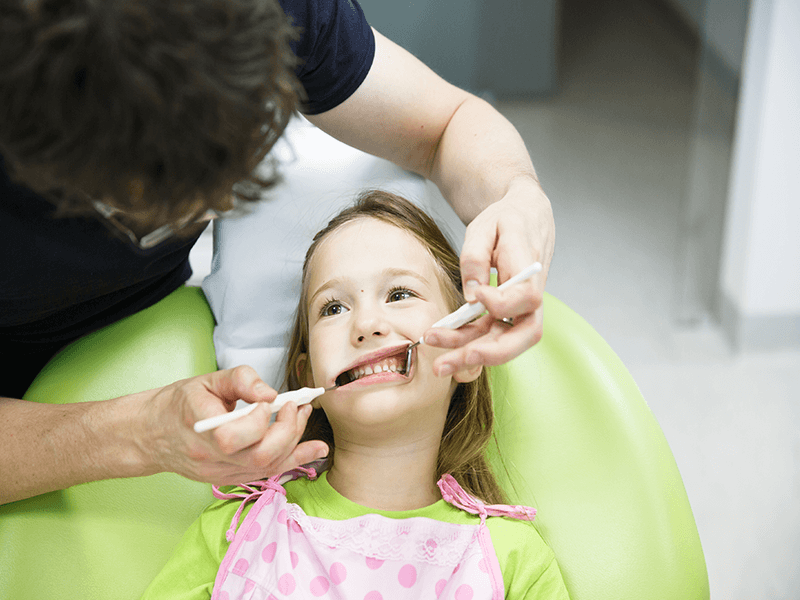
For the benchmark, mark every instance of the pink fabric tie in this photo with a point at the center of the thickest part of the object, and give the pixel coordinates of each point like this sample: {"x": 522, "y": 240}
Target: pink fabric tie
{"x": 254, "y": 490}
{"x": 455, "y": 495}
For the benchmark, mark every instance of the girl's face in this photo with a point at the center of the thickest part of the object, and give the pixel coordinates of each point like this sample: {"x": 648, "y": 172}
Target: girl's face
{"x": 373, "y": 289}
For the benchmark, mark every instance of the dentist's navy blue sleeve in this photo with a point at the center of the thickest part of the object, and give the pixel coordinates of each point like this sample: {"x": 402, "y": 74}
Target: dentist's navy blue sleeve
{"x": 336, "y": 49}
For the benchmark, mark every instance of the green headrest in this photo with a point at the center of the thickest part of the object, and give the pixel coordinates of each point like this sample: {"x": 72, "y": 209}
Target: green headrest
{"x": 576, "y": 438}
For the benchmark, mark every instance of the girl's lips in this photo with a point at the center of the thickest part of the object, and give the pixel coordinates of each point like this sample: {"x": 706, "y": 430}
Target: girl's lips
{"x": 374, "y": 379}
{"x": 370, "y": 360}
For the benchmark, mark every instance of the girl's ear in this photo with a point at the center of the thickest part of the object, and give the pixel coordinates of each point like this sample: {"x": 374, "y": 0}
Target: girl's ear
{"x": 467, "y": 375}
{"x": 302, "y": 369}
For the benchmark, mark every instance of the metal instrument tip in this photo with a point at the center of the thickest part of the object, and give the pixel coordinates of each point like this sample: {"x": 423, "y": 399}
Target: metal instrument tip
{"x": 409, "y": 352}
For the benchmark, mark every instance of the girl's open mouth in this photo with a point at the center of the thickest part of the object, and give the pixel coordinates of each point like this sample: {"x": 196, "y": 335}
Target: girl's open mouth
{"x": 396, "y": 363}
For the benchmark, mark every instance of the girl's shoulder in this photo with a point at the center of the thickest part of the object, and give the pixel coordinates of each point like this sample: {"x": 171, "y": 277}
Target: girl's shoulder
{"x": 528, "y": 564}
{"x": 509, "y": 534}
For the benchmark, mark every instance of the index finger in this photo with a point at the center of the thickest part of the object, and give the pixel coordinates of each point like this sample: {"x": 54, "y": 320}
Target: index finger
{"x": 501, "y": 242}
{"x": 280, "y": 442}
{"x": 243, "y": 432}
{"x": 498, "y": 345}
{"x": 239, "y": 383}
{"x": 516, "y": 300}
{"x": 475, "y": 258}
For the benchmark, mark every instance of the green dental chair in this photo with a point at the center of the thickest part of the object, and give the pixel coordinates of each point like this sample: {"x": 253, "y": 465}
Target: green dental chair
{"x": 577, "y": 440}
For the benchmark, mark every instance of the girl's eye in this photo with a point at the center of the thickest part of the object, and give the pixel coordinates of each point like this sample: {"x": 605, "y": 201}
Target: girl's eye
{"x": 332, "y": 309}
{"x": 398, "y": 294}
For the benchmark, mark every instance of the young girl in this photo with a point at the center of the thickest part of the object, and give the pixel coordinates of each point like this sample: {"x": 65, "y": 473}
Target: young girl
{"x": 406, "y": 505}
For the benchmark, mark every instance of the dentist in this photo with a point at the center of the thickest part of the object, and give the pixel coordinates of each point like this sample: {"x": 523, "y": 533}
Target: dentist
{"x": 124, "y": 123}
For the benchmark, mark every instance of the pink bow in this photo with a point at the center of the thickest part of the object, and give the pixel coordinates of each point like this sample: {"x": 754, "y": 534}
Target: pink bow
{"x": 453, "y": 493}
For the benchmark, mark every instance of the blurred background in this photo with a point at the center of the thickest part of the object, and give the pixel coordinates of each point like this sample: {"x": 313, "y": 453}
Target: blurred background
{"x": 667, "y": 135}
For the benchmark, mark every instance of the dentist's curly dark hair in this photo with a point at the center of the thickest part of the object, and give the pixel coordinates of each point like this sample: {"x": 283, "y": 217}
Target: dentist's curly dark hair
{"x": 159, "y": 107}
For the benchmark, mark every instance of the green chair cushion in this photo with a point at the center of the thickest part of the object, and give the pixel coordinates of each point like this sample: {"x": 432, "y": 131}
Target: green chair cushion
{"x": 576, "y": 440}
{"x": 579, "y": 443}
{"x": 108, "y": 539}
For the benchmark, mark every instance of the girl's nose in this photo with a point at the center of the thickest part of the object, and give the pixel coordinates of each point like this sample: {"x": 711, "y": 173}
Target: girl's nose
{"x": 370, "y": 325}
{"x": 361, "y": 338}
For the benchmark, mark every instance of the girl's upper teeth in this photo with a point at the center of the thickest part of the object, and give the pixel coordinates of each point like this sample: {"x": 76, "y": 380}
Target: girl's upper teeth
{"x": 387, "y": 364}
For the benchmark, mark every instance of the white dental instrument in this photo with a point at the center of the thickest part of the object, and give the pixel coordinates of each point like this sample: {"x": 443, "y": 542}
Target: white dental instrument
{"x": 454, "y": 320}
{"x": 301, "y": 396}
{"x": 468, "y": 312}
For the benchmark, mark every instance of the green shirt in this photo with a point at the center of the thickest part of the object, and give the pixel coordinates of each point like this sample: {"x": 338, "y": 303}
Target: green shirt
{"x": 529, "y": 567}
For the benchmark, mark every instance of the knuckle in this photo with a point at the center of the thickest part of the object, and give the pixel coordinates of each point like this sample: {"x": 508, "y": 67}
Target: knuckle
{"x": 178, "y": 390}
{"x": 537, "y": 335}
{"x": 470, "y": 266}
{"x": 267, "y": 458}
{"x": 474, "y": 356}
{"x": 242, "y": 374}
{"x": 198, "y": 454}
{"x": 225, "y": 442}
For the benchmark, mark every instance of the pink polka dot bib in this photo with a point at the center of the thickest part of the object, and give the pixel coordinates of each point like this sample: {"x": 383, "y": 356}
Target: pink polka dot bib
{"x": 280, "y": 552}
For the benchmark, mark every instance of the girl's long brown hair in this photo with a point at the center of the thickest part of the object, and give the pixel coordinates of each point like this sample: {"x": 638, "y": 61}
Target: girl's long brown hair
{"x": 468, "y": 426}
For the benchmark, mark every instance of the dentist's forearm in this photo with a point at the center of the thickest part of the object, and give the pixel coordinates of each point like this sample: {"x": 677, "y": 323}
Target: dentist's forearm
{"x": 479, "y": 157}
{"x": 406, "y": 113}
{"x": 47, "y": 447}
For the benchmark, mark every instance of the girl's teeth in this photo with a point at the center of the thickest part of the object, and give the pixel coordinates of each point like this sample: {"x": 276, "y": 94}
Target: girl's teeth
{"x": 391, "y": 364}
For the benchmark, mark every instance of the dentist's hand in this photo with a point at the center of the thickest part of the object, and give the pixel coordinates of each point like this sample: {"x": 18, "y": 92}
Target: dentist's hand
{"x": 246, "y": 449}
{"x": 508, "y": 235}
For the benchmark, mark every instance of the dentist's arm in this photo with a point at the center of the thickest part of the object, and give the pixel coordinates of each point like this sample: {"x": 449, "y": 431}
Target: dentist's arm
{"x": 406, "y": 113}
{"x": 48, "y": 447}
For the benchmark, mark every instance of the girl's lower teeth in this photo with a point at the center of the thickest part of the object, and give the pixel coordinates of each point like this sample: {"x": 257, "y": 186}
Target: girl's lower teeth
{"x": 351, "y": 377}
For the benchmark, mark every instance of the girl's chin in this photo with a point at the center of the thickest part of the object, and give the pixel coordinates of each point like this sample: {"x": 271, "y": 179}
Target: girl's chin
{"x": 382, "y": 408}
{"x": 380, "y": 426}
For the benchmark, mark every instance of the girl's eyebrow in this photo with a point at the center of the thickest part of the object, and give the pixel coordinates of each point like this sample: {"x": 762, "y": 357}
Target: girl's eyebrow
{"x": 388, "y": 273}
{"x": 401, "y": 272}
{"x": 328, "y": 284}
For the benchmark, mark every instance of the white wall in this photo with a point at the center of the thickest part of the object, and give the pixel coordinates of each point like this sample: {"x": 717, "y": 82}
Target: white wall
{"x": 761, "y": 256}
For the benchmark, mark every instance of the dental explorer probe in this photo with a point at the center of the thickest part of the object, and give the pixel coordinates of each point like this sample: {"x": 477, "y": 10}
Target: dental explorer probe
{"x": 468, "y": 312}
{"x": 301, "y": 396}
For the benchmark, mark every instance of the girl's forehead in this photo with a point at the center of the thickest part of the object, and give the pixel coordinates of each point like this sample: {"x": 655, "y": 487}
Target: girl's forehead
{"x": 368, "y": 250}
{"x": 369, "y": 240}
{"x": 367, "y": 227}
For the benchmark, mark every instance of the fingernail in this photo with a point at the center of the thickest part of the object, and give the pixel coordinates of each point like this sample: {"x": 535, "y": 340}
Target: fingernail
{"x": 446, "y": 370}
{"x": 261, "y": 388}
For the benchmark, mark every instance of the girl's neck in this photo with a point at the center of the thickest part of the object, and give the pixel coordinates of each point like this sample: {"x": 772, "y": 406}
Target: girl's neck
{"x": 394, "y": 478}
